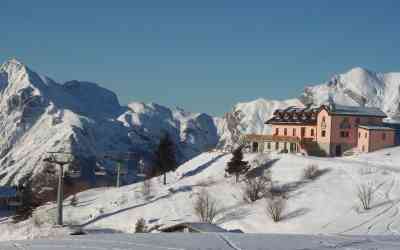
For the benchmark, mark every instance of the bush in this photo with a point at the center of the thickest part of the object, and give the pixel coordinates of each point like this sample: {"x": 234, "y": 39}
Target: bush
{"x": 74, "y": 201}
{"x": 140, "y": 226}
{"x": 37, "y": 221}
{"x": 205, "y": 207}
{"x": 311, "y": 172}
{"x": 275, "y": 208}
{"x": 256, "y": 188}
{"x": 365, "y": 195}
{"x": 147, "y": 188}
{"x": 276, "y": 190}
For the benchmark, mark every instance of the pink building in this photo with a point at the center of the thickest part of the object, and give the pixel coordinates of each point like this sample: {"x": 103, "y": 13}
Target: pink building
{"x": 325, "y": 131}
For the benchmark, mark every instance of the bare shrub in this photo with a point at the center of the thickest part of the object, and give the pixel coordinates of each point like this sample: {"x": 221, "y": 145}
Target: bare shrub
{"x": 74, "y": 201}
{"x": 311, "y": 172}
{"x": 275, "y": 208}
{"x": 147, "y": 188}
{"x": 140, "y": 226}
{"x": 365, "y": 195}
{"x": 205, "y": 207}
{"x": 256, "y": 188}
{"x": 37, "y": 221}
{"x": 276, "y": 190}
{"x": 367, "y": 171}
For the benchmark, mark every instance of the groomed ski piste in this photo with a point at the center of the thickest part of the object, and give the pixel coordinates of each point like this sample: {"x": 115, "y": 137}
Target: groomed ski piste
{"x": 326, "y": 206}
{"x": 224, "y": 241}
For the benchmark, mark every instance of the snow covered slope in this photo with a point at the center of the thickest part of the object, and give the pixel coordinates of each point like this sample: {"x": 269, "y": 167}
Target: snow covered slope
{"x": 38, "y": 115}
{"x": 325, "y": 205}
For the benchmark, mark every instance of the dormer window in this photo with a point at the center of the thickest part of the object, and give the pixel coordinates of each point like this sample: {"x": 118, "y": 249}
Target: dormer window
{"x": 345, "y": 124}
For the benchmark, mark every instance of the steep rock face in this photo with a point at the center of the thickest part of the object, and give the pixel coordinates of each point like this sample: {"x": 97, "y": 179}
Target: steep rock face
{"x": 38, "y": 115}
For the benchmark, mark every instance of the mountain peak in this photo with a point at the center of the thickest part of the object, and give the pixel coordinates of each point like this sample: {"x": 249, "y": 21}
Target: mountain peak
{"x": 359, "y": 71}
{"x": 12, "y": 66}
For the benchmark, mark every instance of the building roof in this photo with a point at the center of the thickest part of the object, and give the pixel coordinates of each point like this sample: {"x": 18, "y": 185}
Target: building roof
{"x": 308, "y": 115}
{"x": 195, "y": 226}
{"x": 295, "y": 115}
{"x": 8, "y": 192}
{"x": 355, "y": 110}
{"x": 372, "y": 127}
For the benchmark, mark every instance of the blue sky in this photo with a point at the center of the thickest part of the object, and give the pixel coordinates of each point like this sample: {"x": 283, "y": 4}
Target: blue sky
{"x": 204, "y": 56}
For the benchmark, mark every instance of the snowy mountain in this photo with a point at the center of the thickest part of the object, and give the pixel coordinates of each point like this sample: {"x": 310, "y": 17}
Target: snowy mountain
{"x": 357, "y": 87}
{"x": 38, "y": 115}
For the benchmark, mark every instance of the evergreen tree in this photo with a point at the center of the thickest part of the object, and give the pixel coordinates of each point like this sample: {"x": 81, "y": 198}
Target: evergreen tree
{"x": 236, "y": 166}
{"x": 165, "y": 154}
{"x": 25, "y": 211}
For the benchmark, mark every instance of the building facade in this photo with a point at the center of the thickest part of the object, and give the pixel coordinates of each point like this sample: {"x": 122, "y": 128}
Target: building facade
{"x": 328, "y": 130}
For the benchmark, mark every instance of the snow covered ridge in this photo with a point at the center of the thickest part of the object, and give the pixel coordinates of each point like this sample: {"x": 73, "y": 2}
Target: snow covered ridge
{"x": 38, "y": 115}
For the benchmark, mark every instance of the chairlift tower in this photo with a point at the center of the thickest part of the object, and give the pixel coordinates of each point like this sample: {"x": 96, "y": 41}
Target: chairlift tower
{"x": 120, "y": 160}
{"x": 60, "y": 192}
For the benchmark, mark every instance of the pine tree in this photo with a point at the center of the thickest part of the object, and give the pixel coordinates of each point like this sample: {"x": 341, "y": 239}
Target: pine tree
{"x": 25, "y": 211}
{"x": 165, "y": 154}
{"x": 236, "y": 166}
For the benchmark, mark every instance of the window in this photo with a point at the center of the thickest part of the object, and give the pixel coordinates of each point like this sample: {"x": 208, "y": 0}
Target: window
{"x": 285, "y": 131}
{"x": 268, "y": 145}
{"x": 276, "y": 145}
{"x": 359, "y": 134}
{"x": 312, "y": 132}
{"x": 294, "y": 132}
{"x": 345, "y": 124}
{"x": 366, "y": 135}
{"x": 323, "y": 133}
{"x": 303, "y": 131}
{"x": 277, "y": 131}
{"x": 383, "y": 136}
{"x": 323, "y": 124}
{"x": 285, "y": 146}
{"x": 344, "y": 134}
